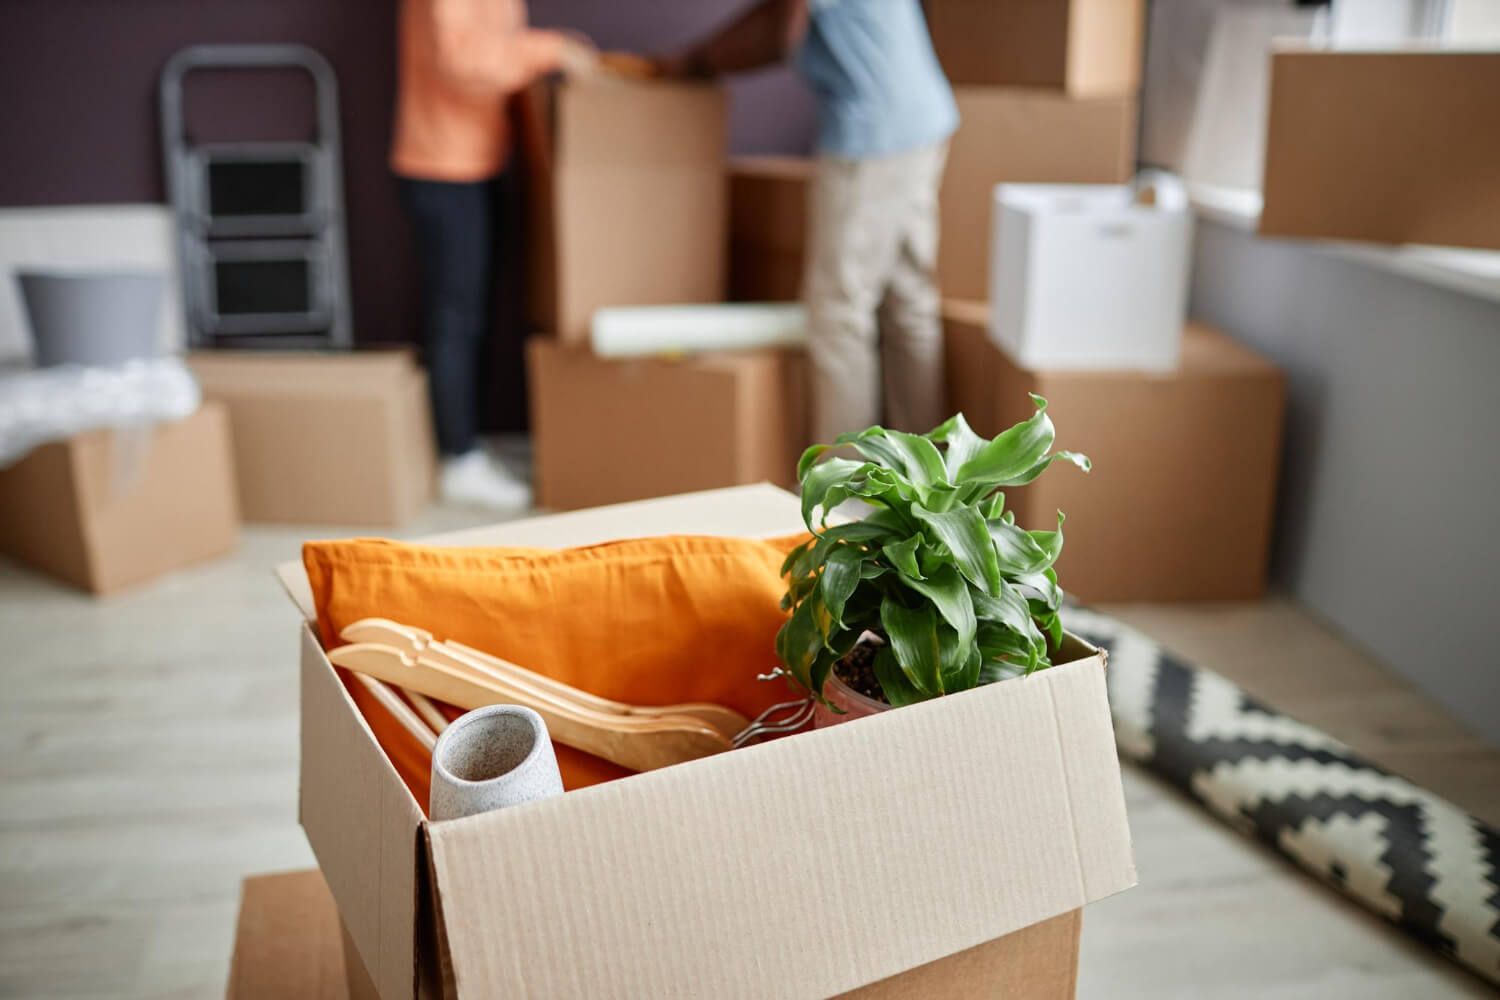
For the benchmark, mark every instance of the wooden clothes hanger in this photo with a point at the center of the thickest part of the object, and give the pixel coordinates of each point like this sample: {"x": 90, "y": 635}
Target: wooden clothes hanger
{"x": 414, "y": 641}
{"x": 640, "y": 742}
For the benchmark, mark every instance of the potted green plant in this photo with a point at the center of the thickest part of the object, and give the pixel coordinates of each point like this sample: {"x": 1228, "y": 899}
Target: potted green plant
{"x": 935, "y": 591}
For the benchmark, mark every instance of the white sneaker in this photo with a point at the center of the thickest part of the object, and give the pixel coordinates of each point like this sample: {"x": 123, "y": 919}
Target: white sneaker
{"x": 473, "y": 480}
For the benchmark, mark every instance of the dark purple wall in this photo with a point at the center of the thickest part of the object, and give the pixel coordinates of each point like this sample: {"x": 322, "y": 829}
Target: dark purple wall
{"x": 78, "y": 120}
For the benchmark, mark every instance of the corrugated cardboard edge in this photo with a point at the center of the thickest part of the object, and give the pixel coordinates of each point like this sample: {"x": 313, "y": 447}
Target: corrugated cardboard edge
{"x": 659, "y": 903}
{"x": 371, "y": 869}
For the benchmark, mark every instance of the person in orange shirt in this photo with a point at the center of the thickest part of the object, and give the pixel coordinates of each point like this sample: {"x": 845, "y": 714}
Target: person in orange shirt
{"x": 458, "y": 62}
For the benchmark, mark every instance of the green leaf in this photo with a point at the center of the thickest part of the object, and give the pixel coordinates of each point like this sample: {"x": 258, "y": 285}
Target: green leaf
{"x": 1050, "y": 542}
{"x": 841, "y": 572}
{"x": 1009, "y": 609}
{"x": 799, "y": 642}
{"x": 833, "y": 651}
{"x": 809, "y": 456}
{"x": 948, "y": 593}
{"x": 1016, "y": 550}
{"x": 823, "y": 477}
{"x": 902, "y": 555}
{"x": 963, "y": 444}
{"x": 993, "y": 507}
{"x": 996, "y": 641}
{"x": 893, "y": 681}
{"x": 914, "y": 459}
{"x": 794, "y": 555}
{"x": 1043, "y": 585}
{"x": 867, "y": 530}
{"x": 1082, "y": 461}
{"x": 1013, "y": 452}
{"x": 964, "y": 673}
{"x": 967, "y": 536}
{"x": 913, "y": 638}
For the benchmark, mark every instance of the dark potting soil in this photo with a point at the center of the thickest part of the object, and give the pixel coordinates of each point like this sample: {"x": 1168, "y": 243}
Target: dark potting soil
{"x": 858, "y": 671}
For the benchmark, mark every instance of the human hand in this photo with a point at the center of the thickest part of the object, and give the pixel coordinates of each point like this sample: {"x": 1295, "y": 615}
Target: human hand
{"x": 579, "y": 57}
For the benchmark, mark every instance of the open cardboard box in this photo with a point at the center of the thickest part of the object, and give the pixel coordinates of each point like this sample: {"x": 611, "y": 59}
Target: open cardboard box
{"x": 940, "y": 850}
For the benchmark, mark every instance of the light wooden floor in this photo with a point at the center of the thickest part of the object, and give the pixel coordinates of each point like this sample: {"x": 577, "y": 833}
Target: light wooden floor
{"x": 148, "y": 761}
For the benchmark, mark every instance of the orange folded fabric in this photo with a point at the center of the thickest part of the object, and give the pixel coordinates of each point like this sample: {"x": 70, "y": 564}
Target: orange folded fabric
{"x": 647, "y": 620}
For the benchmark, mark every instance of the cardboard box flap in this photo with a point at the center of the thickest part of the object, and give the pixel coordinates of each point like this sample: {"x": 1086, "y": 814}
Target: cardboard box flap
{"x": 756, "y": 511}
{"x": 631, "y": 889}
{"x": 371, "y": 866}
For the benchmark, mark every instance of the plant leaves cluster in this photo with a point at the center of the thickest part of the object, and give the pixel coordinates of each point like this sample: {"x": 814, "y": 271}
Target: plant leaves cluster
{"x": 939, "y": 569}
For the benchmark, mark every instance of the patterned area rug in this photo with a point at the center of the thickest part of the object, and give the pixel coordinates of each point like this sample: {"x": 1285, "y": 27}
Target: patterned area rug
{"x": 1413, "y": 858}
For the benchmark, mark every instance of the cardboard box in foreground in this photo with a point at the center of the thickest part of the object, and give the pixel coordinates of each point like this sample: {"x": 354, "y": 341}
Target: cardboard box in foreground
{"x": 768, "y": 227}
{"x": 704, "y": 879}
{"x": 1017, "y": 135}
{"x": 1088, "y": 48}
{"x": 609, "y": 430}
{"x": 325, "y": 438}
{"x": 628, "y": 196}
{"x": 1391, "y": 147}
{"x": 1179, "y": 504}
{"x": 107, "y": 509}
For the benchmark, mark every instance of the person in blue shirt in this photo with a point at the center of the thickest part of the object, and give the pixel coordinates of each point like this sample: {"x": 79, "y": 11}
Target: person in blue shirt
{"x": 885, "y": 114}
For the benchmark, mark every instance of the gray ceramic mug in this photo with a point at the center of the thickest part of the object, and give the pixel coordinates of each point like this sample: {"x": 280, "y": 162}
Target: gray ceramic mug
{"x": 491, "y": 758}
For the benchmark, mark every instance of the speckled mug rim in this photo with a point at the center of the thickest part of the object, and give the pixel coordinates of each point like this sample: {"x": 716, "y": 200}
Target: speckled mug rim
{"x": 539, "y": 736}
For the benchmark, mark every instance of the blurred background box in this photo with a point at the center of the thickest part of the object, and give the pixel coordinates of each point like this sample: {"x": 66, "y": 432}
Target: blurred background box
{"x": 325, "y": 438}
{"x": 1088, "y": 276}
{"x": 1392, "y": 147}
{"x": 1015, "y": 135}
{"x": 606, "y": 431}
{"x": 1178, "y": 506}
{"x": 768, "y": 227}
{"x": 110, "y": 508}
{"x": 629, "y": 200}
{"x": 1088, "y": 48}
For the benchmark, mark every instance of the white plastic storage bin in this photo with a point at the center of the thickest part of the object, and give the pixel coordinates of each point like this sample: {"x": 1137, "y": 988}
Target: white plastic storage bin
{"x": 1090, "y": 276}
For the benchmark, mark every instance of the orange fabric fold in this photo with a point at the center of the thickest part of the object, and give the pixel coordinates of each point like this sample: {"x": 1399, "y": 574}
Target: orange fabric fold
{"x": 648, "y": 620}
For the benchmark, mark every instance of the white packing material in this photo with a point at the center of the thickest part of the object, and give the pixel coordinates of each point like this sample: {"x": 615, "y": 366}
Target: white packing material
{"x": 636, "y": 331}
{"x": 42, "y": 405}
{"x": 1086, "y": 276}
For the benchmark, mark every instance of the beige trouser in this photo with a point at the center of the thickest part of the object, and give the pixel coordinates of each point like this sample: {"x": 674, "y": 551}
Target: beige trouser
{"x": 872, "y": 299}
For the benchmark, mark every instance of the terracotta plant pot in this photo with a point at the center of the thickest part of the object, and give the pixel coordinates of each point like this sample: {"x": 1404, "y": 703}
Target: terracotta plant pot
{"x": 853, "y": 704}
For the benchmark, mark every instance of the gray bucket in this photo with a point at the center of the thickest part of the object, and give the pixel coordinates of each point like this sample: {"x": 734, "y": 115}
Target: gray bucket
{"x": 98, "y": 318}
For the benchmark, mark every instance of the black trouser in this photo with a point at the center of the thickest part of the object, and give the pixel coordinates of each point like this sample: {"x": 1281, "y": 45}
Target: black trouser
{"x": 454, "y": 225}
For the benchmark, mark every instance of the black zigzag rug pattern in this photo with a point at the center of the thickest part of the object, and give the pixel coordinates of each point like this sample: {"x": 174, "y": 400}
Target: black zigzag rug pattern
{"x": 1411, "y": 857}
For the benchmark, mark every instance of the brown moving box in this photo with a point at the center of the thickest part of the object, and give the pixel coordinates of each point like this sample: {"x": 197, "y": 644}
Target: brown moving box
{"x": 290, "y": 945}
{"x": 1179, "y": 504}
{"x": 1088, "y": 48}
{"x": 1393, "y": 147}
{"x": 629, "y": 198}
{"x": 325, "y": 438}
{"x": 103, "y": 511}
{"x": 1021, "y": 136}
{"x": 732, "y": 876}
{"x": 287, "y": 943}
{"x": 605, "y": 431}
{"x": 767, "y": 227}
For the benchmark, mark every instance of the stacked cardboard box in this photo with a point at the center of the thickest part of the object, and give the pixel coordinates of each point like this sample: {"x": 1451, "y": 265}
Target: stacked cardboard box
{"x": 633, "y": 209}
{"x": 1179, "y": 503}
{"x": 107, "y": 509}
{"x": 767, "y": 227}
{"x": 1046, "y": 92}
{"x": 325, "y": 438}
